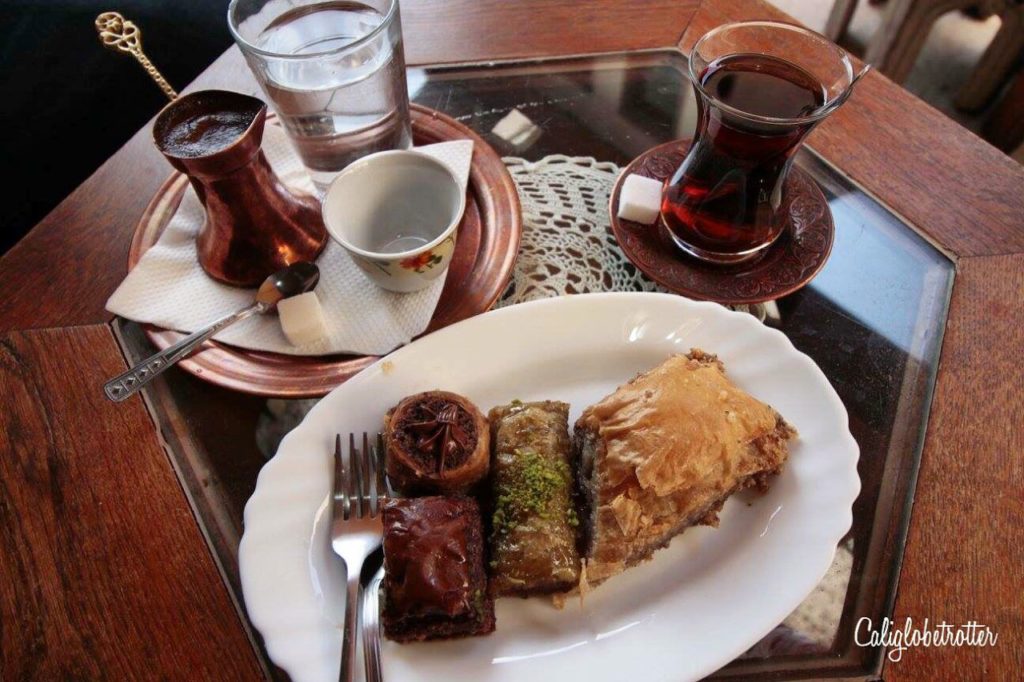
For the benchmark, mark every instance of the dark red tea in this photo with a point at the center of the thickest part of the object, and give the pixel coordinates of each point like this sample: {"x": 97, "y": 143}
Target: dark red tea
{"x": 723, "y": 199}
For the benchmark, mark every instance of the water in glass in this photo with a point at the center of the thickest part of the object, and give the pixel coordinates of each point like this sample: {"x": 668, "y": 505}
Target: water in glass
{"x": 337, "y": 105}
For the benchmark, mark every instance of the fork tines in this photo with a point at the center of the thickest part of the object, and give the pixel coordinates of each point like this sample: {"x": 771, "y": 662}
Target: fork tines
{"x": 359, "y": 483}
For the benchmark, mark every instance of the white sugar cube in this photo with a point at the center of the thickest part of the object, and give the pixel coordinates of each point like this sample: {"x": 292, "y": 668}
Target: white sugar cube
{"x": 525, "y": 139}
{"x": 302, "y": 319}
{"x": 640, "y": 199}
{"x": 514, "y": 125}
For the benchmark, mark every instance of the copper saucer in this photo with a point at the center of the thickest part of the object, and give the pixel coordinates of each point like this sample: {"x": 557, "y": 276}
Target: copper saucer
{"x": 789, "y": 264}
{"x": 478, "y": 274}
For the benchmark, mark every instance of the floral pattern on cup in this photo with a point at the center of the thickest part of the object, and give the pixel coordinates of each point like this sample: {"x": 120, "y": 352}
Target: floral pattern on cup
{"x": 411, "y": 273}
{"x": 421, "y": 261}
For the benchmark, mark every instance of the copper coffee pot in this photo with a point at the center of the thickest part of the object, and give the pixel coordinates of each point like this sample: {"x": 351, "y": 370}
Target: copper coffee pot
{"x": 254, "y": 224}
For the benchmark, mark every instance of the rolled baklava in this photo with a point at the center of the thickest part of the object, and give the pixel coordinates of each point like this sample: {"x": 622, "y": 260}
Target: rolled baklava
{"x": 436, "y": 442}
{"x": 664, "y": 452}
{"x": 435, "y": 581}
{"x": 533, "y": 522}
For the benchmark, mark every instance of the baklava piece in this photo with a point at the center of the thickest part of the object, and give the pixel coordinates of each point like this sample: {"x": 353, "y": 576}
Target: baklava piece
{"x": 435, "y": 583}
{"x": 436, "y": 443}
{"x": 664, "y": 452}
{"x": 534, "y": 523}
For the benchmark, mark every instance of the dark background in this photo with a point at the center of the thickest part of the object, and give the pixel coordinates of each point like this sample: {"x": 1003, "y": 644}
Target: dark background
{"x": 69, "y": 103}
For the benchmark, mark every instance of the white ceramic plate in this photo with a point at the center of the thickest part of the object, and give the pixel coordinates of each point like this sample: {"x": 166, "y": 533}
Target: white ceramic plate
{"x": 700, "y": 603}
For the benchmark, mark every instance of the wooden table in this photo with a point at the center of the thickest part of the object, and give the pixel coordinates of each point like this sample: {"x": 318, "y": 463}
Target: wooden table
{"x": 108, "y": 575}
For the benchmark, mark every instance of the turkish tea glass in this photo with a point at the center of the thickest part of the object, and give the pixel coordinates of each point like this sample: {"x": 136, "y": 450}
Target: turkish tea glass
{"x": 761, "y": 88}
{"x": 334, "y": 72}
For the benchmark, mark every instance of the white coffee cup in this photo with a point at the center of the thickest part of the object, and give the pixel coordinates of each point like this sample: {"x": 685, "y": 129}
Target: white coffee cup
{"x": 397, "y": 213}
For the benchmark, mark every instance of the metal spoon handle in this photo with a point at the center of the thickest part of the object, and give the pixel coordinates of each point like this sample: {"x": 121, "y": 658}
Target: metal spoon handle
{"x": 118, "y": 33}
{"x": 128, "y": 384}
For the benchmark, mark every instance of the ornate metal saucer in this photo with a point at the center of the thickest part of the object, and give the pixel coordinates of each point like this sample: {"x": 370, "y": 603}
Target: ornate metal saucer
{"x": 789, "y": 264}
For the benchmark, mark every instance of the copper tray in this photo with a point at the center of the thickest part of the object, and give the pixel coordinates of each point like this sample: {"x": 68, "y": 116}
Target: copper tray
{"x": 478, "y": 274}
{"x": 789, "y": 264}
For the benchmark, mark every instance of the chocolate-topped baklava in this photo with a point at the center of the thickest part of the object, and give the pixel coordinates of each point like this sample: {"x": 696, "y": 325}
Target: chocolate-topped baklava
{"x": 436, "y": 442}
{"x": 435, "y": 583}
{"x": 534, "y": 522}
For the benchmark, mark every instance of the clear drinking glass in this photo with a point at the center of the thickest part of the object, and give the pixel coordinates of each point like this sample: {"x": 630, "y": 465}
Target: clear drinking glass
{"x": 761, "y": 88}
{"x": 334, "y": 72}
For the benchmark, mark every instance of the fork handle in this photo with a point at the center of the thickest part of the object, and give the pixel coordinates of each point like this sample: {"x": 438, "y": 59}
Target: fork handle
{"x": 370, "y": 628}
{"x": 128, "y": 384}
{"x": 348, "y": 641}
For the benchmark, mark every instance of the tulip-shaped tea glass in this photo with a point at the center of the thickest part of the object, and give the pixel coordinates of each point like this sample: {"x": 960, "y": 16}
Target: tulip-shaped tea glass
{"x": 761, "y": 88}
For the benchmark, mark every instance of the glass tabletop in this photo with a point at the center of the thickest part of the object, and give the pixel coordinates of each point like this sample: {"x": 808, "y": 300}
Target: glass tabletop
{"x": 872, "y": 320}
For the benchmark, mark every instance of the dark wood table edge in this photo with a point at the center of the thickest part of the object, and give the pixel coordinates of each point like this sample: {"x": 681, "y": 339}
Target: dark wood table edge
{"x": 157, "y": 398}
{"x": 80, "y": 351}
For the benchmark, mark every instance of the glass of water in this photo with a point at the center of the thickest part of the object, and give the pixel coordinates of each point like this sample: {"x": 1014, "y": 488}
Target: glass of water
{"x": 334, "y": 72}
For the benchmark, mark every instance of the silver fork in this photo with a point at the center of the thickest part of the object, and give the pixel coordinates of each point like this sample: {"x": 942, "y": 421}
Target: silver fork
{"x": 356, "y": 529}
{"x": 371, "y": 592}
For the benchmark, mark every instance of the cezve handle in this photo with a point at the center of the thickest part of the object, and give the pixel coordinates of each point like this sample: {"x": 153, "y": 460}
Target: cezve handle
{"x": 129, "y": 383}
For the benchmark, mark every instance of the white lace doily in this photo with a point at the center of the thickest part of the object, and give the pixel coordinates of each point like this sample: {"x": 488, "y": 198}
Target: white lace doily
{"x": 567, "y": 245}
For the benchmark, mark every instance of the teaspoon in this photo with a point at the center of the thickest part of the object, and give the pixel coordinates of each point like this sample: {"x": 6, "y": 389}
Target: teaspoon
{"x": 297, "y": 278}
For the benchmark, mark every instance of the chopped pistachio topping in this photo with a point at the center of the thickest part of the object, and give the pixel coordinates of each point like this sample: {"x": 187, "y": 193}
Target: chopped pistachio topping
{"x": 530, "y": 488}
